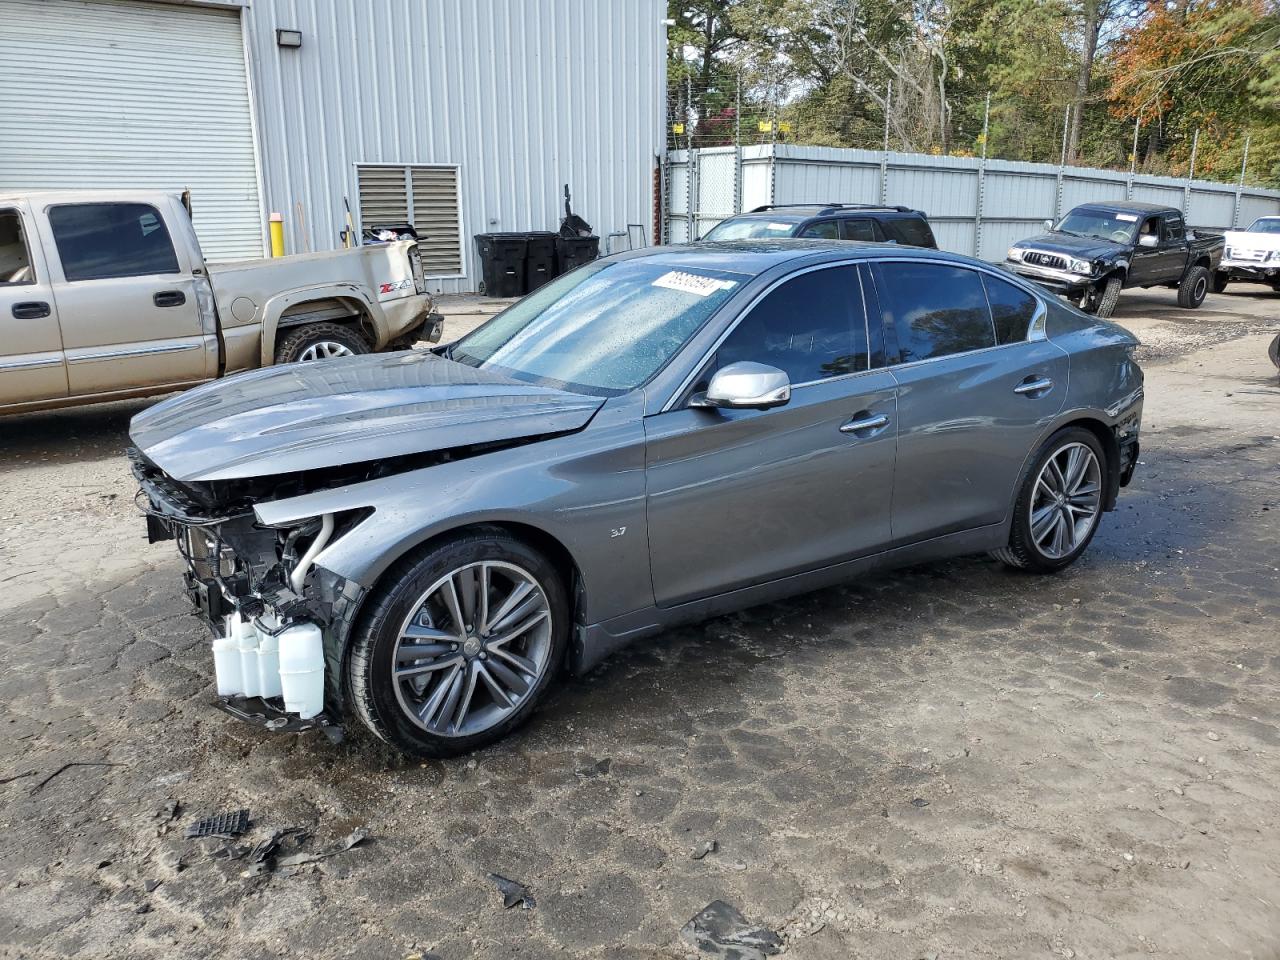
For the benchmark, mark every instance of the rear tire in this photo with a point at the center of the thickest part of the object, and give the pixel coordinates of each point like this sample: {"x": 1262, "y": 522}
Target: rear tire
{"x": 1059, "y": 503}
{"x": 408, "y": 650}
{"x": 1192, "y": 289}
{"x": 1220, "y": 280}
{"x": 1102, "y": 302}
{"x": 319, "y": 341}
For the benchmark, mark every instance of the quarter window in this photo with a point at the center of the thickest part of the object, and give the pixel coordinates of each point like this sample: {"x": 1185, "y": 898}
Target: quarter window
{"x": 15, "y": 262}
{"x": 1173, "y": 230}
{"x": 858, "y": 229}
{"x": 822, "y": 230}
{"x": 812, "y": 326}
{"x": 1011, "y": 310}
{"x": 935, "y": 310}
{"x": 97, "y": 241}
{"x": 912, "y": 231}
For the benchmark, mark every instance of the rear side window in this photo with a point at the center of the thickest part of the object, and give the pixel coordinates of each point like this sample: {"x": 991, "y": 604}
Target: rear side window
{"x": 858, "y": 230}
{"x": 98, "y": 241}
{"x": 912, "y": 231}
{"x": 936, "y": 310}
{"x": 1011, "y": 310}
{"x": 823, "y": 230}
{"x": 1173, "y": 230}
{"x": 812, "y": 326}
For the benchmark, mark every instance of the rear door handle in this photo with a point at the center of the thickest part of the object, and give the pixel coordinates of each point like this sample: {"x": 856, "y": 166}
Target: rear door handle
{"x": 1034, "y": 387}
{"x": 169, "y": 298}
{"x": 865, "y": 424}
{"x": 31, "y": 310}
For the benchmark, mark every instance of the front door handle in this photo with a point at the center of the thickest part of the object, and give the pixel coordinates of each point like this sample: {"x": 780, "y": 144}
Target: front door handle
{"x": 1034, "y": 387}
{"x": 169, "y": 298}
{"x": 865, "y": 424}
{"x": 31, "y": 310}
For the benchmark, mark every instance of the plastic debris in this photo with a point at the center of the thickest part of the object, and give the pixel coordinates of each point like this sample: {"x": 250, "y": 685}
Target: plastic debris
{"x": 702, "y": 849}
{"x": 719, "y": 929}
{"x": 513, "y": 893}
{"x": 919, "y": 802}
{"x": 597, "y": 768}
{"x": 229, "y": 824}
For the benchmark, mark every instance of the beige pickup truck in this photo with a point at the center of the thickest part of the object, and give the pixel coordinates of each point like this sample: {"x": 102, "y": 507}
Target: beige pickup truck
{"x": 105, "y": 295}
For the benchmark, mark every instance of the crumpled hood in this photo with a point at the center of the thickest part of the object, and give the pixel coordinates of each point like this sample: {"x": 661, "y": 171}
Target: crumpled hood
{"x": 1082, "y": 248}
{"x": 305, "y": 416}
{"x": 1247, "y": 240}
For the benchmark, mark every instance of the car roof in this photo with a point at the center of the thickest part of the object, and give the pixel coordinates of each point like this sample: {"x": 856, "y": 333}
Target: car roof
{"x": 44, "y": 197}
{"x": 754, "y": 257}
{"x": 1130, "y": 206}
{"x": 779, "y": 210}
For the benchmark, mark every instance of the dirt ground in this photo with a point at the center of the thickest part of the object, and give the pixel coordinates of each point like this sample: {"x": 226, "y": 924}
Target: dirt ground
{"x": 951, "y": 761}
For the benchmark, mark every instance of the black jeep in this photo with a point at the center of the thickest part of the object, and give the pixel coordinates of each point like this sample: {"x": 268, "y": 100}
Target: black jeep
{"x": 1098, "y": 249}
{"x": 828, "y": 221}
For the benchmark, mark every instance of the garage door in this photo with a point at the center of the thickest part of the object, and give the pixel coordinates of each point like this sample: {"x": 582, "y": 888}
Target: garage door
{"x": 119, "y": 93}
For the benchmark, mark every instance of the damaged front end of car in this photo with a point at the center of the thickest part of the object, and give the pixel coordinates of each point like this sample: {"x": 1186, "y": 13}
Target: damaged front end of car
{"x": 279, "y": 621}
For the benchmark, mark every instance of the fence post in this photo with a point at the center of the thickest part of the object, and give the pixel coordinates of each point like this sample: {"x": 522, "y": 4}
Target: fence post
{"x": 884, "y": 156}
{"x": 688, "y": 164}
{"x": 1191, "y": 175}
{"x": 1235, "y": 210}
{"x": 1133, "y": 160}
{"x": 982, "y": 180}
{"x": 737, "y": 148}
{"x": 1062, "y": 164}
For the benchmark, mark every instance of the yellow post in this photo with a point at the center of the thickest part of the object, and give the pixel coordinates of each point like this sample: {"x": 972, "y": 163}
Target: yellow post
{"x": 277, "y": 235}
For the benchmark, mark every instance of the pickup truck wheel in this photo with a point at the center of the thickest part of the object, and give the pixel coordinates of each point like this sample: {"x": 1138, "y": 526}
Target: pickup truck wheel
{"x": 1059, "y": 503}
{"x": 460, "y": 644}
{"x": 1194, "y": 286}
{"x": 319, "y": 341}
{"x": 1220, "y": 280}
{"x": 1101, "y": 302}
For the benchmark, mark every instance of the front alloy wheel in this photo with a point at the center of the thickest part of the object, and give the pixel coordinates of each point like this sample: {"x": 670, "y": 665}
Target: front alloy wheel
{"x": 1059, "y": 503}
{"x": 459, "y": 643}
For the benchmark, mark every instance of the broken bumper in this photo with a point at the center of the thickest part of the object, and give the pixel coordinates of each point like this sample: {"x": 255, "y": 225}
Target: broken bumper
{"x": 1059, "y": 281}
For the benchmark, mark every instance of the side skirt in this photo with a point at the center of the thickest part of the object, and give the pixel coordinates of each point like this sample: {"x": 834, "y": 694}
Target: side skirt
{"x": 594, "y": 642}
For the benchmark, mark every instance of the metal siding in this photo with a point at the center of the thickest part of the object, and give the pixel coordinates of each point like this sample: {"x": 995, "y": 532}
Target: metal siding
{"x": 522, "y": 95}
{"x": 124, "y": 94}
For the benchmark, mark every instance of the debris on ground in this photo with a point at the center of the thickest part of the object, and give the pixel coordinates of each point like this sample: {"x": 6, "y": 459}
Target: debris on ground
{"x": 702, "y": 849}
{"x": 513, "y": 893}
{"x": 67, "y": 766}
{"x": 229, "y": 824}
{"x": 597, "y": 768}
{"x": 353, "y": 839}
{"x": 719, "y": 929}
{"x": 920, "y": 802}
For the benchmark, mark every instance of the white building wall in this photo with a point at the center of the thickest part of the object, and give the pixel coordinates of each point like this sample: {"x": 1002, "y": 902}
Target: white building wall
{"x": 524, "y": 95}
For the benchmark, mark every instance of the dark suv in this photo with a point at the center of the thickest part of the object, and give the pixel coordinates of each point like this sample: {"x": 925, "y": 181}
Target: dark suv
{"x": 828, "y": 221}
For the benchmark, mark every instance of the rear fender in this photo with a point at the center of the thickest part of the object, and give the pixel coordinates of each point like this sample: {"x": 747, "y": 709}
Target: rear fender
{"x": 274, "y": 308}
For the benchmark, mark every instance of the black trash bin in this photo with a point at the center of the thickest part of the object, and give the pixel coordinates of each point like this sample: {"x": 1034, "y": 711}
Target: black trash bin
{"x": 502, "y": 263}
{"x": 540, "y": 264}
{"x": 575, "y": 251}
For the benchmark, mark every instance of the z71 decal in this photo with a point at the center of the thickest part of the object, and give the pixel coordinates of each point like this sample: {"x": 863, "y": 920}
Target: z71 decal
{"x": 386, "y": 290}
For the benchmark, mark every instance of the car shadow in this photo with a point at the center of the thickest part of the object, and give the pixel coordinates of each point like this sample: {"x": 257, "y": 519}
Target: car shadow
{"x": 75, "y": 434}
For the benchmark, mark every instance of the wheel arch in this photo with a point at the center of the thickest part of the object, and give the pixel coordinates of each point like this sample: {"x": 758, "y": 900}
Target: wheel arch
{"x": 1106, "y": 436}
{"x": 320, "y": 303}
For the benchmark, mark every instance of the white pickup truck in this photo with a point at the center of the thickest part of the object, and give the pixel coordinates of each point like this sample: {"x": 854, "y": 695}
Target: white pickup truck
{"x": 1252, "y": 254}
{"x": 106, "y": 295}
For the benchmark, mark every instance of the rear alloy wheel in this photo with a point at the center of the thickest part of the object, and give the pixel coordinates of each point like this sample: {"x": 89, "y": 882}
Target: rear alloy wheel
{"x": 1059, "y": 504}
{"x": 460, "y": 645}
{"x": 319, "y": 341}
{"x": 1101, "y": 301}
{"x": 1192, "y": 289}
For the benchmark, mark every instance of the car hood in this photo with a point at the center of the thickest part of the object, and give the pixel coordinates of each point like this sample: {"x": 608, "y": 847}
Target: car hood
{"x": 306, "y": 416}
{"x": 1083, "y": 248}
{"x": 1246, "y": 240}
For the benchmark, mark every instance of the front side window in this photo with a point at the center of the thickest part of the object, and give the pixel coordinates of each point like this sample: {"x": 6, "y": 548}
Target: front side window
{"x": 98, "y": 241}
{"x": 603, "y": 329}
{"x": 1012, "y": 310}
{"x": 811, "y": 327}
{"x": 15, "y": 262}
{"x": 752, "y": 228}
{"x": 822, "y": 230}
{"x": 936, "y": 310}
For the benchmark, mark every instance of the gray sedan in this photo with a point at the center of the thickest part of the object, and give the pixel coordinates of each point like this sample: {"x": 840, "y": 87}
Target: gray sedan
{"x": 426, "y": 539}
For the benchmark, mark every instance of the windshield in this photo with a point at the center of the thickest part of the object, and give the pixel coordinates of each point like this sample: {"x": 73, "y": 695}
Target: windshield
{"x": 751, "y": 228}
{"x": 1266, "y": 225}
{"x": 1099, "y": 224}
{"x": 603, "y": 329}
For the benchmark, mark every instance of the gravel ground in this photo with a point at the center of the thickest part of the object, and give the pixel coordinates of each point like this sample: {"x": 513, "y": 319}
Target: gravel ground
{"x": 951, "y": 760}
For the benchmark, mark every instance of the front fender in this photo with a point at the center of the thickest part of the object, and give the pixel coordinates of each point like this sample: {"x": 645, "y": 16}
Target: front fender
{"x": 275, "y": 307}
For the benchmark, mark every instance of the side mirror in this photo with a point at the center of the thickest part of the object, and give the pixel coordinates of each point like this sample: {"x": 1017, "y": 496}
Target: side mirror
{"x": 1148, "y": 240}
{"x": 1048, "y": 225}
{"x": 745, "y": 386}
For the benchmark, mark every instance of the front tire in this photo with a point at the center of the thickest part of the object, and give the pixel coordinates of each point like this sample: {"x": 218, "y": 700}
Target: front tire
{"x": 1192, "y": 289}
{"x": 1101, "y": 301}
{"x": 459, "y": 645}
{"x": 1059, "y": 503}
